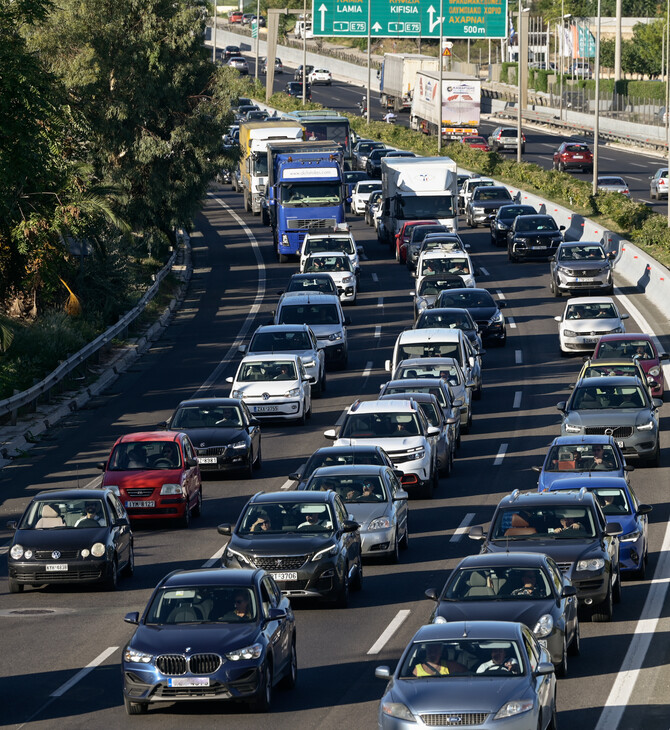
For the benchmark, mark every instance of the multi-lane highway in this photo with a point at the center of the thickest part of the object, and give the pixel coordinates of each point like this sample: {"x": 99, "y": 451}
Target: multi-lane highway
{"x": 62, "y": 646}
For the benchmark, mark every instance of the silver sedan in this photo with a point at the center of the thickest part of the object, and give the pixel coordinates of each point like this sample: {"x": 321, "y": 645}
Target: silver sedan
{"x": 613, "y": 184}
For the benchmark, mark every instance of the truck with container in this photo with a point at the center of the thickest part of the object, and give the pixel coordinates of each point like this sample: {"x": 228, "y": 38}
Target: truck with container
{"x": 305, "y": 193}
{"x": 398, "y": 76}
{"x": 417, "y": 188}
{"x": 461, "y": 101}
{"x": 254, "y": 139}
{"x": 324, "y": 124}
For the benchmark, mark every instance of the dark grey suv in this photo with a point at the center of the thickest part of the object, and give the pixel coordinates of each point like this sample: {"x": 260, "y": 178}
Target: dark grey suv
{"x": 581, "y": 266}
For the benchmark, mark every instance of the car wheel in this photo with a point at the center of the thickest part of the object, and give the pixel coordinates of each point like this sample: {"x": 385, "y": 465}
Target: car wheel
{"x": 655, "y": 460}
{"x": 283, "y": 258}
{"x": 603, "y": 611}
{"x": 553, "y": 723}
{"x": 129, "y": 567}
{"x": 468, "y": 424}
{"x": 653, "y": 195}
{"x": 324, "y": 384}
{"x": 112, "y": 581}
{"x": 511, "y": 256}
{"x": 477, "y": 394}
{"x": 289, "y": 680}
{"x": 404, "y": 540}
{"x": 562, "y": 668}
{"x": 247, "y": 207}
{"x": 185, "y": 519}
{"x": 575, "y": 645}
{"x": 15, "y": 586}
{"x": 135, "y": 708}
{"x": 263, "y": 698}
{"x": 616, "y": 591}
{"x": 258, "y": 463}
{"x": 301, "y": 421}
{"x": 357, "y": 584}
{"x": 342, "y": 599}
{"x": 394, "y": 557}
{"x": 308, "y": 415}
{"x": 248, "y": 471}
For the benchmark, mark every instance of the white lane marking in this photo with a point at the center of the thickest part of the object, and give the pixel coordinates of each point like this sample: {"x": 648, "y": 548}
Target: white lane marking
{"x": 648, "y": 202}
{"x": 518, "y": 357}
{"x": 501, "y": 455}
{"x": 511, "y": 323}
{"x": 362, "y": 256}
{"x": 500, "y": 294}
{"x": 378, "y": 331}
{"x": 460, "y": 530}
{"x": 517, "y": 400}
{"x": 388, "y": 632}
{"x": 255, "y": 307}
{"x": 83, "y": 672}
{"x": 368, "y": 369}
{"x": 375, "y": 278}
{"x": 5, "y": 548}
{"x": 645, "y": 630}
{"x": 215, "y": 558}
{"x": 286, "y": 485}
{"x": 380, "y": 302}
{"x": 484, "y": 271}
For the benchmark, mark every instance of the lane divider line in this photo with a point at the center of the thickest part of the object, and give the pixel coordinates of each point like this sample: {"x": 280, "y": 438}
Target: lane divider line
{"x": 501, "y": 455}
{"x": 517, "y": 400}
{"x": 368, "y": 369}
{"x": 286, "y": 485}
{"x": 511, "y": 323}
{"x": 484, "y": 271}
{"x": 375, "y": 278}
{"x": 388, "y": 632}
{"x": 460, "y": 530}
{"x": 378, "y": 331}
{"x": 380, "y": 302}
{"x": 518, "y": 357}
{"x": 215, "y": 558}
{"x": 83, "y": 672}
{"x": 500, "y": 294}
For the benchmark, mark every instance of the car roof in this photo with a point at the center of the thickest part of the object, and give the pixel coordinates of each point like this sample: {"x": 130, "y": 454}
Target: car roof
{"x": 417, "y": 397}
{"x": 209, "y": 576}
{"x": 384, "y": 406}
{"x": 567, "y": 244}
{"x": 346, "y": 449}
{"x": 414, "y": 361}
{"x": 210, "y": 402}
{"x": 311, "y": 275}
{"x": 532, "y": 499}
{"x": 608, "y": 380}
{"x": 409, "y": 382}
{"x": 291, "y": 496}
{"x": 438, "y": 334}
{"x": 507, "y": 630}
{"x": 590, "y": 481}
{"x": 626, "y": 336}
{"x": 445, "y": 310}
{"x": 282, "y": 328}
{"x": 590, "y": 300}
{"x": 66, "y": 494}
{"x": 586, "y": 440}
{"x": 309, "y": 297}
{"x": 352, "y": 469}
{"x": 148, "y": 436}
{"x": 441, "y": 253}
{"x": 490, "y": 560}
{"x": 273, "y": 356}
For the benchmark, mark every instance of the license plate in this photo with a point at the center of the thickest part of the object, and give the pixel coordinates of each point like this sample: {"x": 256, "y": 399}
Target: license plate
{"x": 538, "y": 248}
{"x": 285, "y": 576}
{"x": 590, "y": 340}
{"x": 620, "y": 444}
{"x": 578, "y": 157}
{"x": 582, "y": 279}
{"x": 132, "y": 505}
{"x": 207, "y": 460}
{"x": 56, "y": 567}
{"x": 188, "y": 681}
{"x": 265, "y": 409}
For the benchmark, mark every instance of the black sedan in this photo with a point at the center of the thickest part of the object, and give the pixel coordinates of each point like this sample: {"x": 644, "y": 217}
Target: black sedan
{"x": 451, "y": 318}
{"x": 304, "y": 538}
{"x": 503, "y": 220}
{"x": 533, "y": 237}
{"x": 225, "y": 435}
{"x": 485, "y": 310}
{"x": 362, "y": 150}
{"x": 524, "y": 587}
{"x": 373, "y": 166}
{"x": 294, "y": 88}
{"x": 210, "y": 635}
{"x": 71, "y": 536}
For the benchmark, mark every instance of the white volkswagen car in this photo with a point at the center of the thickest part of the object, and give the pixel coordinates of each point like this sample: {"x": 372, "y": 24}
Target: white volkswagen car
{"x": 338, "y": 266}
{"x": 274, "y": 386}
{"x": 362, "y": 193}
{"x": 339, "y": 240}
{"x": 585, "y": 320}
{"x": 439, "y": 261}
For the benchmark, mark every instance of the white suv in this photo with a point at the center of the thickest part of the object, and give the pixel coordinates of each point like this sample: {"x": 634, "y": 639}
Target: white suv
{"x": 338, "y": 266}
{"x": 402, "y": 430}
{"x": 362, "y": 193}
{"x": 336, "y": 241}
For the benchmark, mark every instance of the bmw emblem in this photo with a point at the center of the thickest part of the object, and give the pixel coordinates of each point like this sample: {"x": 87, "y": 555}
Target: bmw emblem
{"x": 55, "y": 554}
{"x": 266, "y": 396}
{"x": 187, "y": 649}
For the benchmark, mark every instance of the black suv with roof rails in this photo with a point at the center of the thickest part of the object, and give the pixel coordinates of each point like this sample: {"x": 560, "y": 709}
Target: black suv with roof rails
{"x": 571, "y": 528}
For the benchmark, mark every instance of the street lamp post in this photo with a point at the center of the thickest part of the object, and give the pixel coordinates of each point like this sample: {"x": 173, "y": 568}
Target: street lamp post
{"x": 596, "y": 125}
{"x": 258, "y": 35}
{"x": 304, "y": 52}
{"x": 520, "y": 74}
{"x": 214, "y": 34}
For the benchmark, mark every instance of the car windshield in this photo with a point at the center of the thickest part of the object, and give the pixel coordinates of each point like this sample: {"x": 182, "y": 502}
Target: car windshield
{"x": 581, "y": 253}
{"x": 351, "y": 488}
{"x": 341, "y": 458}
{"x": 300, "y": 194}
{"x": 63, "y": 513}
{"x": 631, "y": 370}
{"x": 382, "y": 425}
{"x": 458, "y": 266}
{"x": 493, "y": 194}
{"x": 368, "y": 187}
{"x": 424, "y": 206}
{"x": 280, "y": 342}
{"x": 430, "y": 286}
{"x": 202, "y": 605}
{"x": 215, "y": 416}
{"x": 429, "y": 349}
{"x": 432, "y": 389}
{"x": 542, "y": 522}
{"x": 582, "y": 457}
{"x": 313, "y": 314}
{"x": 418, "y": 233}
{"x": 607, "y": 397}
{"x": 328, "y": 263}
{"x": 480, "y": 183}
{"x": 451, "y": 320}
{"x": 486, "y": 584}
{"x": 579, "y": 148}
{"x": 312, "y": 283}
{"x": 377, "y": 153}
{"x": 266, "y": 370}
{"x": 353, "y": 176}
{"x": 591, "y": 311}
{"x": 509, "y": 212}
{"x": 365, "y": 147}
{"x": 539, "y": 223}
{"x": 638, "y": 349}
{"x": 432, "y": 660}
{"x": 271, "y": 518}
{"x": 142, "y": 455}
{"x": 470, "y": 299}
{"x": 613, "y": 501}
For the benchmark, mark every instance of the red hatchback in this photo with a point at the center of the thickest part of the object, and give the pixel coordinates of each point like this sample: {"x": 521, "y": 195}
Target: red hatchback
{"x": 235, "y": 16}
{"x": 403, "y": 236}
{"x": 636, "y": 346}
{"x": 573, "y": 156}
{"x": 156, "y": 476}
{"x": 476, "y": 142}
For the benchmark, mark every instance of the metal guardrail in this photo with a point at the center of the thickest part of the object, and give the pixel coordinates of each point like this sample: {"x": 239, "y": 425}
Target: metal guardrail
{"x": 10, "y": 406}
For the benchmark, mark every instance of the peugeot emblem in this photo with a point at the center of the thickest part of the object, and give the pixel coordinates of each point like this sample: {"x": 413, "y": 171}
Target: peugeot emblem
{"x": 266, "y": 396}
{"x": 609, "y": 432}
{"x": 203, "y": 444}
{"x": 278, "y": 562}
{"x": 55, "y": 554}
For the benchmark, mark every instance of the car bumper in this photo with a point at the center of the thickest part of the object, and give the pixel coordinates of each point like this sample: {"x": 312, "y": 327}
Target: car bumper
{"x": 583, "y": 283}
{"x": 238, "y": 459}
{"x": 346, "y": 293}
{"x": 164, "y": 508}
{"x": 334, "y": 352}
{"x": 577, "y": 164}
{"x": 590, "y": 587}
{"x": 284, "y": 408}
{"x": 536, "y": 251}
{"x": 526, "y": 721}
{"x": 631, "y": 555}
{"x": 28, "y": 572}
{"x": 378, "y": 543}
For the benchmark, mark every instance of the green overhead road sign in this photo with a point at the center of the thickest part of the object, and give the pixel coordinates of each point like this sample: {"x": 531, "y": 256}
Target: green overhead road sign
{"x": 410, "y": 18}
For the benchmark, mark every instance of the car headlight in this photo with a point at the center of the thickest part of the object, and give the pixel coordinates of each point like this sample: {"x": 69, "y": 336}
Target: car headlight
{"x": 248, "y": 652}
{"x": 544, "y": 626}
{"x": 521, "y": 239}
{"x": 416, "y": 454}
{"x": 329, "y": 551}
{"x": 98, "y": 550}
{"x": 138, "y": 657}
{"x": 421, "y": 303}
{"x": 655, "y": 371}
{"x": 334, "y": 336}
{"x": 171, "y": 489}
{"x": 515, "y": 707}
{"x": 569, "y": 333}
{"x": 381, "y": 523}
{"x": 239, "y": 445}
{"x": 230, "y": 553}
{"x": 591, "y": 564}
{"x": 439, "y": 620}
{"x": 399, "y": 710}
{"x": 236, "y": 393}
{"x": 28, "y": 554}
{"x": 617, "y": 330}
{"x": 293, "y": 393}
{"x": 114, "y": 489}
{"x": 569, "y": 428}
{"x": 646, "y": 426}
{"x": 85, "y": 553}
{"x": 501, "y": 226}
{"x": 497, "y": 318}
{"x": 309, "y": 363}
{"x": 630, "y": 536}
{"x": 347, "y": 279}
{"x": 284, "y": 239}
{"x": 16, "y": 552}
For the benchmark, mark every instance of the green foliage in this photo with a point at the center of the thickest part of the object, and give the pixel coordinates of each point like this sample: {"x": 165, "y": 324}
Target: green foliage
{"x": 541, "y": 80}
{"x": 628, "y": 214}
{"x": 505, "y": 76}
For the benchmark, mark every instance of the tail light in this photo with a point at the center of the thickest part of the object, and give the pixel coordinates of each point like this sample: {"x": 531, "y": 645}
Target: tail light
{"x": 626, "y": 191}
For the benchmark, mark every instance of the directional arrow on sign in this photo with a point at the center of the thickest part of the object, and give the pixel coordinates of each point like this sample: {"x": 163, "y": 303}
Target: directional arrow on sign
{"x": 432, "y": 23}
{"x": 323, "y": 10}
{"x": 376, "y": 27}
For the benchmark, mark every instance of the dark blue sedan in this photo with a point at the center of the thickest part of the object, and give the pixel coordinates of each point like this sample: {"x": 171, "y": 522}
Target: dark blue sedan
{"x": 210, "y": 635}
{"x": 619, "y": 504}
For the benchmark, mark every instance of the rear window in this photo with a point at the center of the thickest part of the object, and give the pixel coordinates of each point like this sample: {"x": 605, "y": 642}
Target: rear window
{"x": 309, "y": 314}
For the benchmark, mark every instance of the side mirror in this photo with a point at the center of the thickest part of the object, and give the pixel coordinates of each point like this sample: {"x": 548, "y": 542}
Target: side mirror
{"x": 295, "y": 476}
{"x": 350, "y": 526}
{"x": 476, "y": 533}
{"x": 538, "y": 469}
{"x": 229, "y": 379}
{"x": 470, "y": 383}
{"x": 501, "y": 304}
{"x": 11, "y": 525}
{"x": 471, "y": 360}
{"x": 399, "y": 473}
{"x": 558, "y": 318}
{"x": 552, "y": 258}
{"x": 613, "y": 529}
{"x": 430, "y": 593}
{"x": 458, "y": 402}
{"x": 225, "y": 529}
{"x": 561, "y": 406}
{"x": 411, "y": 293}
{"x": 132, "y": 618}
{"x": 330, "y": 434}
{"x": 656, "y": 402}
{"x": 399, "y": 495}
{"x": 628, "y": 467}
{"x": 643, "y": 509}
{"x": 310, "y": 379}
{"x": 276, "y": 614}
{"x": 191, "y": 462}
{"x": 432, "y": 431}
{"x": 452, "y": 420}
{"x": 625, "y": 316}
{"x": 242, "y": 349}
{"x": 387, "y": 366}
{"x": 664, "y": 356}
{"x": 254, "y": 422}
{"x": 101, "y": 465}
{"x": 163, "y": 425}
{"x": 568, "y": 591}
{"x": 544, "y": 668}
{"x": 383, "y": 673}
{"x": 561, "y": 228}
{"x": 611, "y": 255}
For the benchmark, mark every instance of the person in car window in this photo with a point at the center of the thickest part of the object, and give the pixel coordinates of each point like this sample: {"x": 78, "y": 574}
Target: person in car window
{"x": 262, "y": 524}
{"x": 92, "y": 518}
{"x": 241, "y": 610}
{"x": 641, "y": 353}
{"x": 314, "y": 519}
{"x": 499, "y": 661}
{"x": 602, "y": 460}
{"x": 284, "y": 373}
{"x": 137, "y": 458}
{"x": 433, "y": 665}
{"x": 567, "y": 524}
{"x": 529, "y": 587}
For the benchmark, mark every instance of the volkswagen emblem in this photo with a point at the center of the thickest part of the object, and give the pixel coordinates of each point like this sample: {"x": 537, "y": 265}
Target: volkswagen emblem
{"x": 55, "y": 554}
{"x": 609, "y": 432}
{"x": 266, "y": 396}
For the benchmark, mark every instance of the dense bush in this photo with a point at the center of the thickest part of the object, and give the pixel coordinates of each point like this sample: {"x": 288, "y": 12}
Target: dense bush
{"x": 628, "y": 214}
{"x": 505, "y": 76}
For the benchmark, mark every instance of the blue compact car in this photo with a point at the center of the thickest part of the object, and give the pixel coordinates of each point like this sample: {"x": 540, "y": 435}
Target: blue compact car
{"x": 571, "y": 456}
{"x": 620, "y": 504}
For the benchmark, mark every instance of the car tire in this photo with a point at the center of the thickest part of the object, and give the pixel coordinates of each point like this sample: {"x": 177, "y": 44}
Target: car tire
{"x": 554, "y": 289}
{"x": 477, "y": 394}
{"x": 111, "y": 582}
{"x": 553, "y": 723}
{"x": 197, "y": 510}
{"x": 129, "y": 567}
{"x": 655, "y": 460}
{"x": 324, "y": 383}
{"x": 290, "y": 679}
{"x": 301, "y": 421}
{"x": 357, "y": 584}
{"x": 641, "y": 572}
{"x": 510, "y": 256}
{"x": 394, "y": 557}
{"x": 562, "y": 668}
{"x": 15, "y": 586}
{"x": 602, "y": 612}
{"x": 247, "y": 207}
{"x": 468, "y": 423}
{"x": 258, "y": 462}
{"x": 404, "y": 540}
{"x": 283, "y": 258}
{"x": 135, "y": 708}
{"x": 342, "y": 598}
{"x": 185, "y": 519}
{"x": 575, "y": 646}
{"x": 263, "y": 698}
{"x": 617, "y": 588}
{"x": 653, "y": 195}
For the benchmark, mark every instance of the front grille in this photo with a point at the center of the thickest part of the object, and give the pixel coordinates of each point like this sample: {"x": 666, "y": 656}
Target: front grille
{"x": 280, "y": 562}
{"x": 171, "y": 664}
{"x": 214, "y": 691}
{"x": 204, "y": 663}
{"x": 140, "y": 492}
{"x": 579, "y": 272}
{"x": 310, "y": 223}
{"x": 211, "y": 451}
{"x": 565, "y": 567}
{"x": 64, "y": 555}
{"x": 617, "y": 432}
{"x": 454, "y": 719}
{"x": 67, "y": 576}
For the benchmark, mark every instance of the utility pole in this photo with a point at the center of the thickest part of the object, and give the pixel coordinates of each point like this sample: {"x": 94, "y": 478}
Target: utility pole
{"x": 617, "y": 43}
{"x": 596, "y": 125}
{"x": 304, "y": 52}
{"x": 214, "y": 34}
{"x": 439, "y": 87}
{"x": 368, "y": 114}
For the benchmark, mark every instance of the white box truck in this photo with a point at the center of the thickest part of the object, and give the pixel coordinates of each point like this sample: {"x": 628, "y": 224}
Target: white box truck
{"x": 461, "y": 101}
{"x": 417, "y": 188}
{"x": 398, "y": 77}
